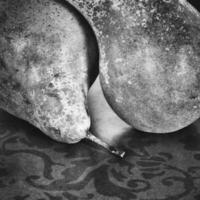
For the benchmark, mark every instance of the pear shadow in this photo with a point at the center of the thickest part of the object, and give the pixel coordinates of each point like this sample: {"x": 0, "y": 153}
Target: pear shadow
{"x": 26, "y": 136}
{"x": 189, "y": 137}
{"x": 130, "y": 140}
{"x": 19, "y": 127}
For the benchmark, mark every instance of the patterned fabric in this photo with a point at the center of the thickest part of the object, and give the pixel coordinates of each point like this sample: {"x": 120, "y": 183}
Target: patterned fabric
{"x": 157, "y": 167}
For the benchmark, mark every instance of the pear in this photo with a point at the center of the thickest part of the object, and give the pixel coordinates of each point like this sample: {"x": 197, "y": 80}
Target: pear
{"x": 48, "y": 61}
{"x": 44, "y": 67}
{"x": 45, "y": 70}
{"x": 149, "y": 60}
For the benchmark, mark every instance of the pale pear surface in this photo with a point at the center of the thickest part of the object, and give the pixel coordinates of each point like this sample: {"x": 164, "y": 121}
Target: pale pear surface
{"x": 149, "y": 60}
{"x": 45, "y": 66}
{"x": 105, "y": 123}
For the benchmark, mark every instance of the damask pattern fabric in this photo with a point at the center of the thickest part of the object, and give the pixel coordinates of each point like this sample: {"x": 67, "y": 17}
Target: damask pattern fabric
{"x": 156, "y": 167}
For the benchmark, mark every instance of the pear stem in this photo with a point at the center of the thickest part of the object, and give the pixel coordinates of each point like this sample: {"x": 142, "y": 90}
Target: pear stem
{"x": 100, "y": 142}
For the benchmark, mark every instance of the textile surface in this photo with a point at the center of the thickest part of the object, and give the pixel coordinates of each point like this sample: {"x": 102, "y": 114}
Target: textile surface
{"x": 156, "y": 167}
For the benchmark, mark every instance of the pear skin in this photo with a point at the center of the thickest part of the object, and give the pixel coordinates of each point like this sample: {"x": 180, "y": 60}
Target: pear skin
{"x": 47, "y": 63}
{"x": 149, "y": 60}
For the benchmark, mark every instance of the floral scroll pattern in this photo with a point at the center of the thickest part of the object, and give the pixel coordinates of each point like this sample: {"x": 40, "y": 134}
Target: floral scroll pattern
{"x": 157, "y": 167}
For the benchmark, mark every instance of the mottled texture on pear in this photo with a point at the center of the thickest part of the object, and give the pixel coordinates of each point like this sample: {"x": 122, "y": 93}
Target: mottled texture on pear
{"x": 152, "y": 75}
{"x": 149, "y": 60}
{"x": 46, "y": 59}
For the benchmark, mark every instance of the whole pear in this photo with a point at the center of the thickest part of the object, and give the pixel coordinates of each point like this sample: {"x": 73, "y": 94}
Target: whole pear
{"x": 47, "y": 63}
{"x": 149, "y": 60}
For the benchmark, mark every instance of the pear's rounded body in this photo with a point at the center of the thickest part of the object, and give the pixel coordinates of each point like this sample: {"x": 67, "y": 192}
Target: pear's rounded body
{"x": 151, "y": 70}
{"x": 149, "y": 60}
{"x": 46, "y": 58}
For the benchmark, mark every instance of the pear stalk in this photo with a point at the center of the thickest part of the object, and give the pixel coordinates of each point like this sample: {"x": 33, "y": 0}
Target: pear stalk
{"x": 110, "y": 148}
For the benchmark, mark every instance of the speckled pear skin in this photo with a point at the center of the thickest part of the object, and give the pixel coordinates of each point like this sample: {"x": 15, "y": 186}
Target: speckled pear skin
{"x": 47, "y": 58}
{"x": 149, "y": 60}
